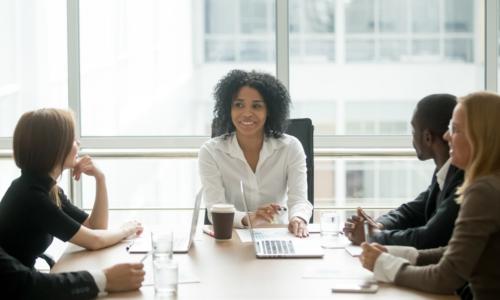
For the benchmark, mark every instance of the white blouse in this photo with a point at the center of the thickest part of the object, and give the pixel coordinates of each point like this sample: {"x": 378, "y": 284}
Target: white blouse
{"x": 280, "y": 176}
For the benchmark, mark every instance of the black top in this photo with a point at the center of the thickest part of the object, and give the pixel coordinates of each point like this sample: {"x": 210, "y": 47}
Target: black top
{"x": 427, "y": 221}
{"x": 29, "y": 219}
{"x": 20, "y": 282}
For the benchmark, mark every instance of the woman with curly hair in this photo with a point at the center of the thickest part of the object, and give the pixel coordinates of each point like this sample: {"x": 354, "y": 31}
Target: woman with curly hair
{"x": 250, "y": 115}
{"x": 472, "y": 253}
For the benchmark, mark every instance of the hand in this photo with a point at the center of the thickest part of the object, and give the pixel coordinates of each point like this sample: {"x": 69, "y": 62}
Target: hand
{"x": 132, "y": 227}
{"x": 124, "y": 277}
{"x": 354, "y": 231}
{"x": 298, "y": 227}
{"x": 264, "y": 215}
{"x": 86, "y": 165}
{"x": 380, "y": 247}
{"x": 369, "y": 255}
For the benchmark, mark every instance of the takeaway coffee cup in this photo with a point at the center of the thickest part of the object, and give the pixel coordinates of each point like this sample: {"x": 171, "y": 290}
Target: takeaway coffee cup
{"x": 222, "y": 220}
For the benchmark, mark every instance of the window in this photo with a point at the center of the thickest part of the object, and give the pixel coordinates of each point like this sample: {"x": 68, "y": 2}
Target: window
{"x": 387, "y": 55}
{"x": 33, "y": 58}
{"x": 148, "y": 68}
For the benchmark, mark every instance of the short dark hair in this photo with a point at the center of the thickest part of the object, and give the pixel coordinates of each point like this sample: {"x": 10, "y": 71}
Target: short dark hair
{"x": 434, "y": 112}
{"x": 273, "y": 92}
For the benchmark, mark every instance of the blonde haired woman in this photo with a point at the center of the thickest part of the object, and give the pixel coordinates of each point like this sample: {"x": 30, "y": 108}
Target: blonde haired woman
{"x": 472, "y": 253}
{"x": 35, "y": 209}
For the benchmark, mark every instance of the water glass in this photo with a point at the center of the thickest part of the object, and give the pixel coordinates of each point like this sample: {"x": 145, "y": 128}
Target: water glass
{"x": 330, "y": 229}
{"x": 165, "y": 268}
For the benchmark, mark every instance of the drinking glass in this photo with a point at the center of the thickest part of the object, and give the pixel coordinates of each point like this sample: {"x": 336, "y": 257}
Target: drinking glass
{"x": 330, "y": 229}
{"x": 165, "y": 268}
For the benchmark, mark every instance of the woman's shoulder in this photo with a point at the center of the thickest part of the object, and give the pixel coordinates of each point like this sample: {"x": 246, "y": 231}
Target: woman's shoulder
{"x": 287, "y": 141}
{"x": 487, "y": 183}
{"x": 222, "y": 142}
{"x": 486, "y": 188}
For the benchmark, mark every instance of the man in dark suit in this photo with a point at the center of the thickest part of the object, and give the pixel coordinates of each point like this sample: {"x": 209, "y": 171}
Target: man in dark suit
{"x": 427, "y": 221}
{"x": 20, "y": 282}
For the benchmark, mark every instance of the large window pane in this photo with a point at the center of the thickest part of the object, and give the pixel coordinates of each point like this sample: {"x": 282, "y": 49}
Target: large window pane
{"x": 173, "y": 183}
{"x": 387, "y": 55}
{"x": 33, "y": 58}
{"x": 146, "y": 183}
{"x": 312, "y": 30}
{"x": 149, "y": 67}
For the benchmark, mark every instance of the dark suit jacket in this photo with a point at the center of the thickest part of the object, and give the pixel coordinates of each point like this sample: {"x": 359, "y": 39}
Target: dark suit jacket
{"x": 20, "y": 282}
{"x": 427, "y": 221}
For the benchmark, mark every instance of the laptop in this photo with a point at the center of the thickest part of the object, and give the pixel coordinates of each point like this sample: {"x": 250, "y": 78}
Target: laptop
{"x": 181, "y": 244}
{"x": 282, "y": 247}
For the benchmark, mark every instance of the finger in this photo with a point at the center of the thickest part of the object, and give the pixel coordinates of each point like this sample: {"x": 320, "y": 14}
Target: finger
{"x": 304, "y": 232}
{"x": 295, "y": 227}
{"x": 275, "y": 206}
{"x": 349, "y": 225}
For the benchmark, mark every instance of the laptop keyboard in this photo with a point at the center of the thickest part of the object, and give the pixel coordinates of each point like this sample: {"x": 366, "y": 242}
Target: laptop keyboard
{"x": 277, "y": 247}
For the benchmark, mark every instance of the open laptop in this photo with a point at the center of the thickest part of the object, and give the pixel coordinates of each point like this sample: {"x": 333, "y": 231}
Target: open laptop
{"x": 181, "y": 244}
{"x": 283, "y": 247}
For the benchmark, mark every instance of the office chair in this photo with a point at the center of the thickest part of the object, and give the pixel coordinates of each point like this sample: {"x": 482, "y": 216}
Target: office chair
{"x": 303, "y": 130}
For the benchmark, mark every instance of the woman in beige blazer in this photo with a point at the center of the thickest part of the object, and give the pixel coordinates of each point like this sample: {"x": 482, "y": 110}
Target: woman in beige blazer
{"x": 472, "y": 255}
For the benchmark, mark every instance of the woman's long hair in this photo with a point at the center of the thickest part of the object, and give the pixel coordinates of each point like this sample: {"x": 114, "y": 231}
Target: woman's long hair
{"x": 482, "y": 114}
{"x": 43, "y": 139}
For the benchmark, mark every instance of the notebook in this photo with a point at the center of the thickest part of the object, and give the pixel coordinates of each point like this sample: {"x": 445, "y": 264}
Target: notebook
{"x": 181, "y": 244}
{"x": 281, "y": 248}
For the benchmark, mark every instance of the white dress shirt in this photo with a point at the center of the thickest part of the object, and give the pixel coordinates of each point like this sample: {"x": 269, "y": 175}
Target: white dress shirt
{"x": 441, "y": 174}
{"x": 100, "y": 281}
{"x": 280, "y": 176}
{"x": 388, "y": 264}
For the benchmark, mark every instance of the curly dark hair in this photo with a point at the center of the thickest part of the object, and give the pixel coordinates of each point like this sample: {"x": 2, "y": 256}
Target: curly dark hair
{"x": 273, "y": 92}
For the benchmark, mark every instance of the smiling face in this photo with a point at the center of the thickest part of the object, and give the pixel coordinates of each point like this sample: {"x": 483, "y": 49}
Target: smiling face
{"x": 249, "y": 112}
{"x": 460, "y": 147}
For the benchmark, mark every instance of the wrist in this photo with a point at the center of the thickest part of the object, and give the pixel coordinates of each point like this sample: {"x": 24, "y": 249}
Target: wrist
{"x": 299, "y": 219}
{"x": 99, "y": 176}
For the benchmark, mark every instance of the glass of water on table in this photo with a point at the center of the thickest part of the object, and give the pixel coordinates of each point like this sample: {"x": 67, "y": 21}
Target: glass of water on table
{"x": 330, "y": 225}
{"x": 165, "y": 268}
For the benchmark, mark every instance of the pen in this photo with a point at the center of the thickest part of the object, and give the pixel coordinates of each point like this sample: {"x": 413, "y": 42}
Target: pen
{"x": 145, "y": 256}
{"x": 208, "y": 231}
{"x": 367, "y": 231}
{"x": 129, "y": 245}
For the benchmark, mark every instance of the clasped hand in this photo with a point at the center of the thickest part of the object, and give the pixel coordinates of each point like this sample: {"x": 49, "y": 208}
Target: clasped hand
{"x": 370, "y": 254}
{"x": 86, "y": 165}
{"x": 354, "y": 229}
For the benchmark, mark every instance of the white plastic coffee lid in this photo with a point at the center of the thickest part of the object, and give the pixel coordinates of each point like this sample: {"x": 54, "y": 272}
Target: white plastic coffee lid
{"x": 222, "y": 208}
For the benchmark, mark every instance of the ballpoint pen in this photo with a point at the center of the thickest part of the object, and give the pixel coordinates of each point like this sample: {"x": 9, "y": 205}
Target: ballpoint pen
{"x": 145, "y": 256}
{"x": 129, "y": 246}
{"x": 208, "y": 231}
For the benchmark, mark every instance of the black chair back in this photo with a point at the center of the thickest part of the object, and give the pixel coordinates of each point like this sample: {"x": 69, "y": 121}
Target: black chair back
{"x": 303, "y": 130}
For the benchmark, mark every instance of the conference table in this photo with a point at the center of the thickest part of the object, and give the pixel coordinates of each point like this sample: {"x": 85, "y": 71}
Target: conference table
{"x": 229, "y": 270}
